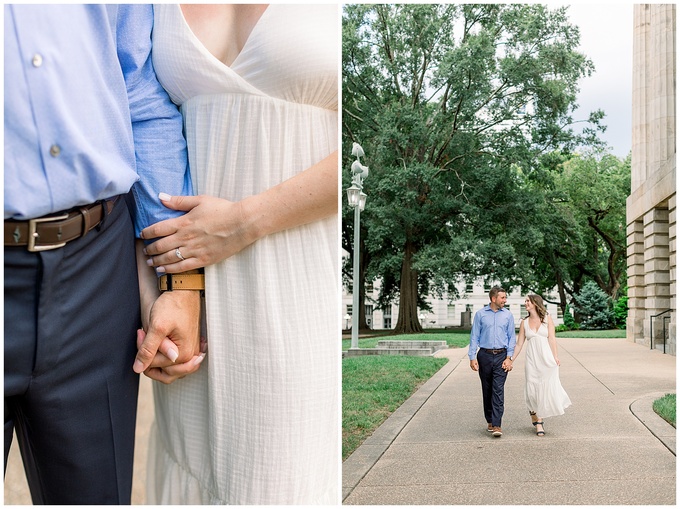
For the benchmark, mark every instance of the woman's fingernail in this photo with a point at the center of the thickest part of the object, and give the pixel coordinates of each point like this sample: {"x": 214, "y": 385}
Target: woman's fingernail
{"x": 164, "y": 197}
{"x": 149, "y": 262}
{"x": 160, "y": 270}
{"x": 199, "y": 359}
{"x": 144, "y": 251}
{"x": 138, "y": 367}
{"x": 172, "y": 355}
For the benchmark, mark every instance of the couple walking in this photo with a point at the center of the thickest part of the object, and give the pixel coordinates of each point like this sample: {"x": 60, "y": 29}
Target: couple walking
{"x": 493, "y": 350}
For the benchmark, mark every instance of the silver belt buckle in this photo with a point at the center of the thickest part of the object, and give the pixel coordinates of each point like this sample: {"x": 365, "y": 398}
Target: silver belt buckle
{"x": 33, "y": 234}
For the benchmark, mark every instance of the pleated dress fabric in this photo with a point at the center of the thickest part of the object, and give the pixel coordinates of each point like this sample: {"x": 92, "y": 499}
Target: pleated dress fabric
{"x": 259, "y": 422}
{"x": 543, "y": 391}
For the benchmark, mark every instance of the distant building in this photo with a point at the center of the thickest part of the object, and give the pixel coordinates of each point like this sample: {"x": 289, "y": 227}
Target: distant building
{"x": 445, "y": 313}
{"x": 651, "y": 213}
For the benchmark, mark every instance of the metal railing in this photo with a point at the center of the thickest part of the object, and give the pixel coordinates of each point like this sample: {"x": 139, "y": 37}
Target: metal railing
{"x": 663, "y": 324}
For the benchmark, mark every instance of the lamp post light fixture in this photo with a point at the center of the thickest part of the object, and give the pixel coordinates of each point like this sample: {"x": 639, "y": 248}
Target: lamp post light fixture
{"x": 357, "y": 200}
{"x": 347, "y": 317}
{"x": 422, "y": 320}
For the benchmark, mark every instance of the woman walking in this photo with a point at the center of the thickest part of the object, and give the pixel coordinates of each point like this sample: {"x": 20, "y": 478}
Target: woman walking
{"x": 543, "y": 391}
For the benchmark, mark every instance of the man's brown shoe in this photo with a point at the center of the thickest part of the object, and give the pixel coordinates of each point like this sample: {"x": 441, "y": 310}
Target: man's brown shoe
{"x": 497, "y": 431}
{"x": 489, "y": 427}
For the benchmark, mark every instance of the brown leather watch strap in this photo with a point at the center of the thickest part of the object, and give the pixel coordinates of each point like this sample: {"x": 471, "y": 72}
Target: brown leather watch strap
{"x": 190, "y": 280}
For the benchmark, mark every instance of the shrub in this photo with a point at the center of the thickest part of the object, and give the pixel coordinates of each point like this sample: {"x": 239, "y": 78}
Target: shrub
{"x": 621, "y": 310}
{"x": 568, "y": 319}
{"x": 594, "y": 306}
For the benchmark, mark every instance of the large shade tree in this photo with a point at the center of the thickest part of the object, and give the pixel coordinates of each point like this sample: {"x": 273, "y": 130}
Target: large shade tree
{"x": 455, "y": 106}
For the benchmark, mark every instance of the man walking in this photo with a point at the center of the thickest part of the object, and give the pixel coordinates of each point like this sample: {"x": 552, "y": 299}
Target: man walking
{"x": 493, "y": 332}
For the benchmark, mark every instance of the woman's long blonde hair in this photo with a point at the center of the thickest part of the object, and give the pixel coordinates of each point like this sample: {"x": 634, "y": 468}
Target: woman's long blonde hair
{"x": 537, "y": 301}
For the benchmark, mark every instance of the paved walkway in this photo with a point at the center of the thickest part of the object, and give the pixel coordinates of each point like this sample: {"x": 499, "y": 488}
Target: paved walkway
{"x": 609, "y": 447}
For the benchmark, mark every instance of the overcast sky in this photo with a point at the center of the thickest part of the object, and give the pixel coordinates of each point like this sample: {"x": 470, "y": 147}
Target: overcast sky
{"x": 607, "y": 39}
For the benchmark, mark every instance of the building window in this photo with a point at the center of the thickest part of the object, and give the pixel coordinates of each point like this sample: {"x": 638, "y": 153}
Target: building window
{"x": 451, "y": 311}
{"x": 387, "y": 312}
{"x": 522, "y": 311}
{"x": 468, "y": 288}
{"x": 560, "y": 314}
{"x": 369, "y": 315}
{"x": 487, "y": 287}
{"x": 349, "y": 309}
{"x": 369, "y": 287}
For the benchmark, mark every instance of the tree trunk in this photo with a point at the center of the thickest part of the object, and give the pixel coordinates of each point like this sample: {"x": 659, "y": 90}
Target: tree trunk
{"x": 563, "y": 296}
{"x": 408, "y": 322}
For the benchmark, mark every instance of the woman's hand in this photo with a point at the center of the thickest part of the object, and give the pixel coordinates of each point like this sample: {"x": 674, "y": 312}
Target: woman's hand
{"x": 212, "y": 230}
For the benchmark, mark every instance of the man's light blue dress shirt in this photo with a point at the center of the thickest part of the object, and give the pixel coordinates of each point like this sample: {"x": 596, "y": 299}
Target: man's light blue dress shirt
{"x": 492, "y": 330}
{"x": 85, "y": 117}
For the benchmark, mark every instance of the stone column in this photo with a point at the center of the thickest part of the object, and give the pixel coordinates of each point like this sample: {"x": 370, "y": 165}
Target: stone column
{"x": 641, "y": 21}
{"x": 635, "y": 324}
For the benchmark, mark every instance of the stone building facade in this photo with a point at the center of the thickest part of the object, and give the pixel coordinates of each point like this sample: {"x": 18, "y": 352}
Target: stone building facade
{"x": 446, "y": 312}
{"x": 651, "y": 212}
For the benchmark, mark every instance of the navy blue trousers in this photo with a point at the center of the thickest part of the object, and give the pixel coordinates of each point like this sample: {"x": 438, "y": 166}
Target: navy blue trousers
{"x": 493, "y": 378}
{"x": 71, "y": 316}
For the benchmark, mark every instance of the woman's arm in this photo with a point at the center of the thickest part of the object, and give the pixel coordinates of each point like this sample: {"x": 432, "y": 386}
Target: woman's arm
{"x": 214, "y": 229}
{"x": 520, "y": 340}
{"x": 551, "y": 339}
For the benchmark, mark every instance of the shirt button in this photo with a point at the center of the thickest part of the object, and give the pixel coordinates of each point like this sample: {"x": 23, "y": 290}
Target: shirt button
{"x": 55, "y": 150}
{"x": 37, "y": 60}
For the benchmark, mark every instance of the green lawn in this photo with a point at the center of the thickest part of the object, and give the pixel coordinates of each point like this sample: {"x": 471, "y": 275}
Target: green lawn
{"x": 614, "y": 333}
{"x": 374, "y": 386}
{"x": 665, "y": 407}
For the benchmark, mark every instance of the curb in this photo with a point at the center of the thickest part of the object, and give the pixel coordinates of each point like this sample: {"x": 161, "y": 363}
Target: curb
{"x": 642, "y": 409}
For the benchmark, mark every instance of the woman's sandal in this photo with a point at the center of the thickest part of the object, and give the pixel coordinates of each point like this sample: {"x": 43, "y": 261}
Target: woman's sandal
{"x": 540, "y": 433}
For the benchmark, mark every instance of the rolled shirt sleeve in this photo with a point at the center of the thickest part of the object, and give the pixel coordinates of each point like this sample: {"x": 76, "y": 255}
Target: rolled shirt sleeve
{"x": 160, "y": 147}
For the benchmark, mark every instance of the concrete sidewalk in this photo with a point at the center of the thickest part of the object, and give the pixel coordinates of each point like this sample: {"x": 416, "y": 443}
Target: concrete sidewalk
{"x": 608, "y": 448}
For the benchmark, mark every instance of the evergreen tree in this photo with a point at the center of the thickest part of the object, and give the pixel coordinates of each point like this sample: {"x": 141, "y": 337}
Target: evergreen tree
{"x": 594, "y": 306}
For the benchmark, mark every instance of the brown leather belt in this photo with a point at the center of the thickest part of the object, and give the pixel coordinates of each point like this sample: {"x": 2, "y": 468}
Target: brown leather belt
{"x": 55, "y": 230}
{"x": 494, "y": 350}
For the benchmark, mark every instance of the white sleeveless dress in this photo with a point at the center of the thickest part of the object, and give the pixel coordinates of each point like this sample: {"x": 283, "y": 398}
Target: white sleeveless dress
{"x": 543, "y": 391}
{"x": 259, "y": 422}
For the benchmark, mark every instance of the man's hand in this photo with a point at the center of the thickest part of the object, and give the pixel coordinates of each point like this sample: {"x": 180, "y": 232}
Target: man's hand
{"x": 174, "y": 315}
{"x": 474, "y": 365}
{"x": 164, "y": 370}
